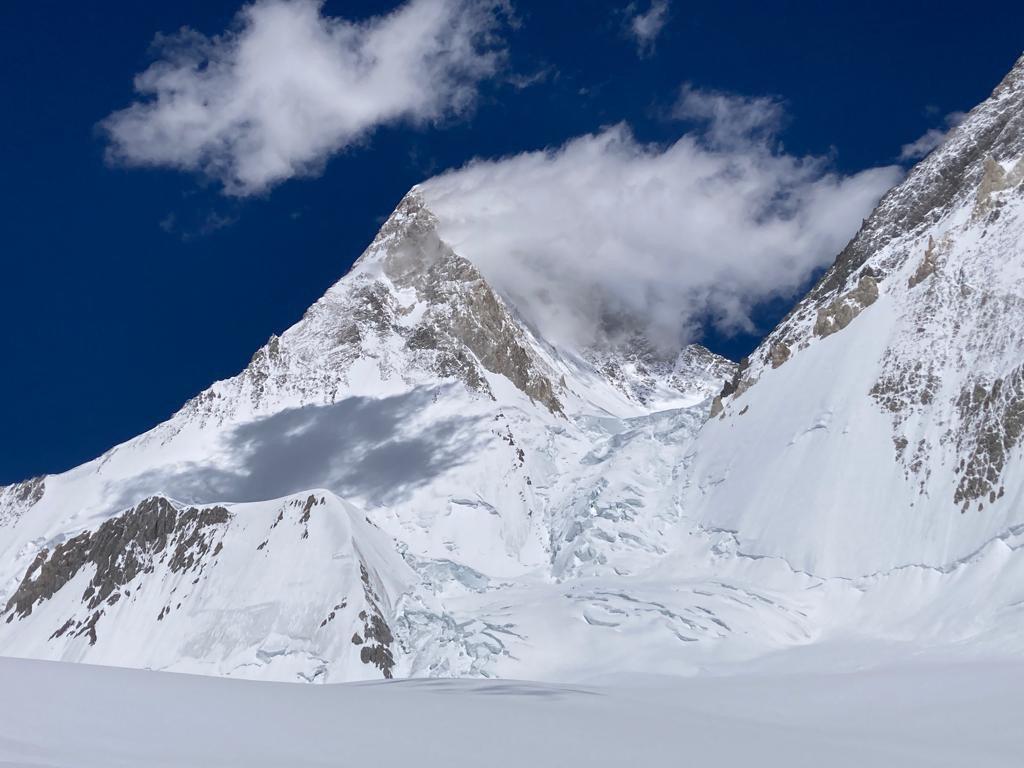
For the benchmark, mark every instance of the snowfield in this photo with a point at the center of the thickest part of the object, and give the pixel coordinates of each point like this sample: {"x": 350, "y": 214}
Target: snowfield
{"x": 926, "y": 714}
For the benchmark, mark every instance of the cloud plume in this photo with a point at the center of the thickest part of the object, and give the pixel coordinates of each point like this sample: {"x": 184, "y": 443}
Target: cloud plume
{"x": 606, "y": 235}
{"x": 932, "y": 139}
{"x": 287, "y": 87}
{"x": 645, "y": 27}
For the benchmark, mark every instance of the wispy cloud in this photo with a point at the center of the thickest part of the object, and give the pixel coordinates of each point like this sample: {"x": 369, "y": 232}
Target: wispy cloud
{"x": 646, "y": 26}
{"x": 287, "y": 87}
{"x": 521, "y": 81}
{"x": 727, "y": 119}
{"x": 606, "y": 235}
{"x": 196, "y": 226}
{"x": 932, "y": 139}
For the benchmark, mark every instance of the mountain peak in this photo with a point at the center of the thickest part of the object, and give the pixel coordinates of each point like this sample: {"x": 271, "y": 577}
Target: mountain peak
{"x": 413, "y": 309}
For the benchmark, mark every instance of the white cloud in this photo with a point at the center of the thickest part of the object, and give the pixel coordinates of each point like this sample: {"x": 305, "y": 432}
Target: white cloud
{"x": 729, "y": 120}
{"x": 645, "y": 27}
{"x": 932, "y": 138}
{"x": 521, "y": 81}
{"x": 286, "y": 87}
{"x": 606, "y": 234}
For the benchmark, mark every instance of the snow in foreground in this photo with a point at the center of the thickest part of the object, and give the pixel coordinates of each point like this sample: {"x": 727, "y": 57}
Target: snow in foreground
{"x": 56, "y": 714}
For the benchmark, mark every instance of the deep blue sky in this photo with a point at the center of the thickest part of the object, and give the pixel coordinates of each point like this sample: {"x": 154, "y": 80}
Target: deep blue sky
{"x": 110, "y": 322}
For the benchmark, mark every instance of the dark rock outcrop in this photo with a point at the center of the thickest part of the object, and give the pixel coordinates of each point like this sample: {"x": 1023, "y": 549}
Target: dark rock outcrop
{"x": 121, "y": 549}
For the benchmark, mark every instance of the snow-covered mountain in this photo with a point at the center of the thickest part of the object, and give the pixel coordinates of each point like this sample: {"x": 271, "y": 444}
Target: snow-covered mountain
{"x": 879, "y": 425}
{"x": 411, "y": 481}
{"x": 409, "y": 437}
{"x": 306, "y": 577}
{"x": 874, "y": 437}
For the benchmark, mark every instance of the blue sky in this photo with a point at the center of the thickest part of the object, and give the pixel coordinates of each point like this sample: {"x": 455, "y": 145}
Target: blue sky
{"x": 128, "y": 290}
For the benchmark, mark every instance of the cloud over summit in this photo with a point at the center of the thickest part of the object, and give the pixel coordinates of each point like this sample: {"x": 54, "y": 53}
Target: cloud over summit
{"x": 607, "y": 234}
{"x": 287, "y": 87}
{"x": 591, "y": 239}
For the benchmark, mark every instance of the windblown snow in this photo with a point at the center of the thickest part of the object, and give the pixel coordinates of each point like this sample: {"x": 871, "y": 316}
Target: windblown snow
{"x": 411, "y": 482}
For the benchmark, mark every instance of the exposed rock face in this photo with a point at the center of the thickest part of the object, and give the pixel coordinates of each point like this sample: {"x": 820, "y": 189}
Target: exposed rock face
{"x": 927, "y": 266}
{"x": 843, "y": 309}
{"x": 993, "y": 418}
{"x": 377, "y": 639}
{"x": 16, "y": 499}
{"x": 996, "y": 179}
{"x": 121, "y": 549}
{"x": 779, "y": 353}
{"x": 463, "y": 311}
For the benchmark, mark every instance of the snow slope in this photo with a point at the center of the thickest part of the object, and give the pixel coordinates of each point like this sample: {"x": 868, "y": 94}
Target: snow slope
{"x": 301, "y": 588}
{"x": 930, "y": 715}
